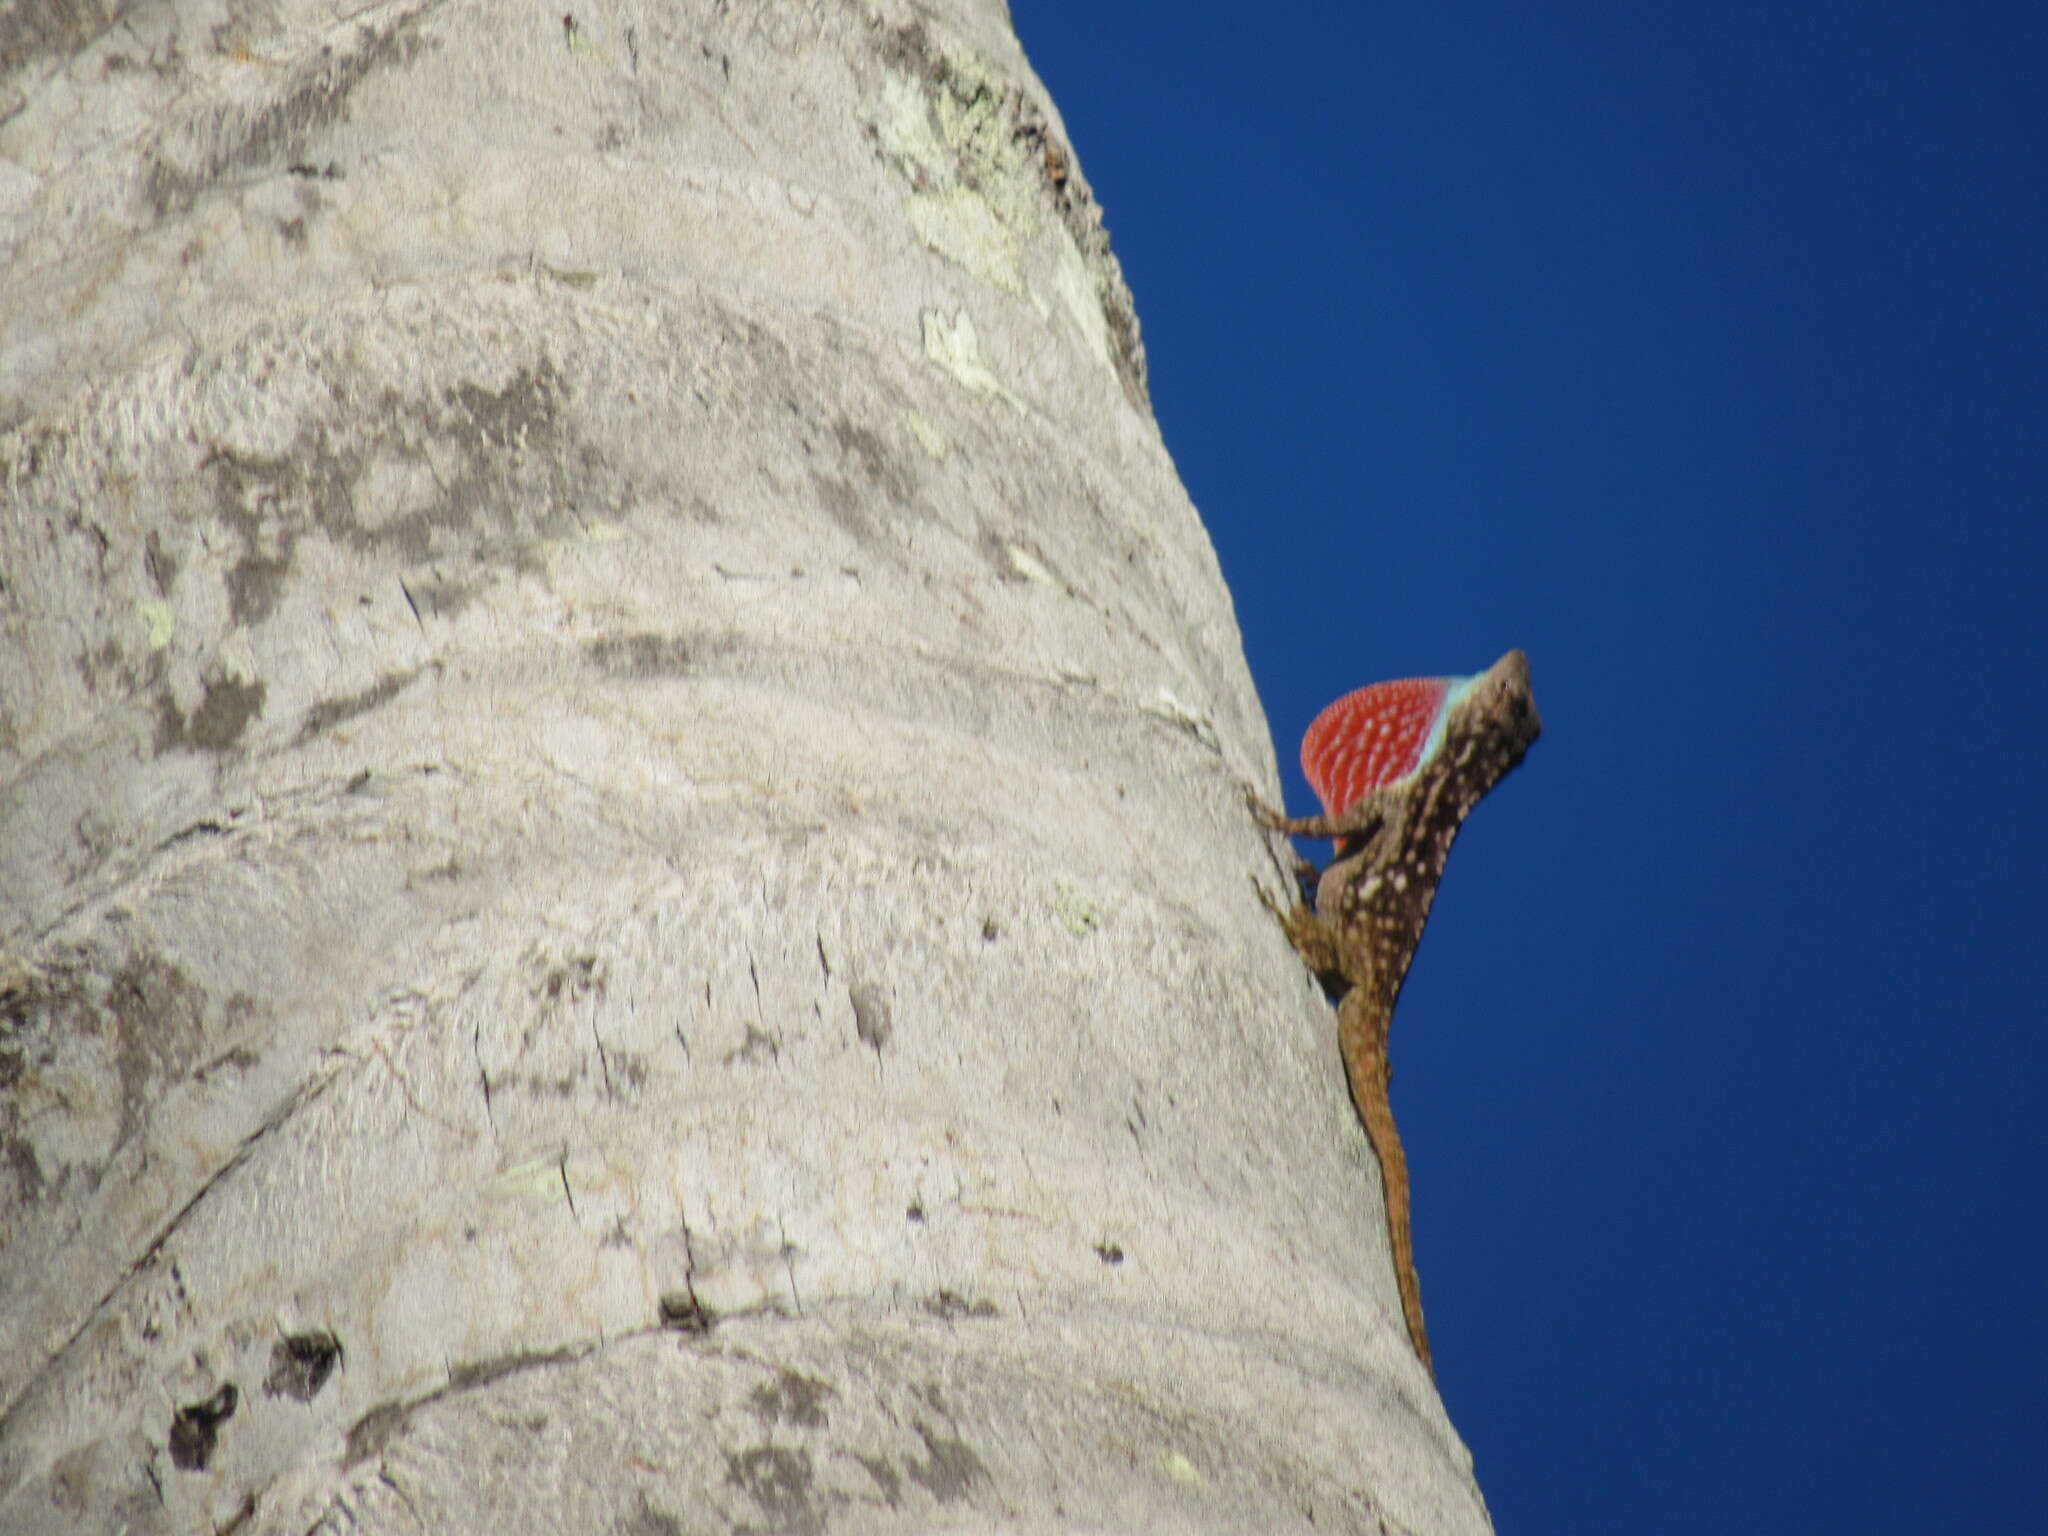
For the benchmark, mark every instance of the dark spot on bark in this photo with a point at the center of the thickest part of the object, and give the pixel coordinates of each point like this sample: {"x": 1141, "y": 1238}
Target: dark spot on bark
{"x": 53, "y": 28}
{"x": 253, "y": 585}
{"x": 159, "y": 1019}
{"x": 630, "y": 1066}
{"x": 331, "y": 712}
{"x": 779, "y": 1483}
{"x": 27, "y": 1169}
{"x": 571, "y": 980}
{"x": 485, "y": 449}
{"x": 441, "y": 597}
{"x": 562, "y": 1087}
{"x": 255, "y": 497}
{"x": 886, "y": 1480}
{"x": 229, "y": 1064}
{"x": 470, "y": 1374}
{"x": 951, "y": 1469}
{"x": 682, "y": 1312}
{"x": 951, "y": 1305}
{"x": 792, "y": 1398}
{"x": 300, "y": 1364}
{"x": 753, "y": 1046}
{"x": 871, "y": 1017}
{"x": 914, "y": 1211}
{"x": 842, "y": 502}
{"x": 224, "y": 712}
{"x": 72, "y": 1479}
{"x": 877, "y": 462}
{"x": 1111, "y": 1254}
{"x": 509, "y": 420}
{"x": 103, "y": 662}
{"x": 910, "y": 51}
{"x": 370, "y": 1434}
{"x": 645, "y": 655}
{"x": 648, "y": 1521}
{"x": 195, "y": 1428}
{"x": 375, "y": 1430}
{"x": 317, "y": 96}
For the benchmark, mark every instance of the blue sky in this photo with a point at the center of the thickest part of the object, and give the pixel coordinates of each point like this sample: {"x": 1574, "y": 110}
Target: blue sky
{"x": 1703, "y": 353}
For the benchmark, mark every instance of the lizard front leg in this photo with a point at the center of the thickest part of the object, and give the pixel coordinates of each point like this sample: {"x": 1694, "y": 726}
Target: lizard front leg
{"x": 1356, "y": 827}
{"x": 1362, "y": 1024}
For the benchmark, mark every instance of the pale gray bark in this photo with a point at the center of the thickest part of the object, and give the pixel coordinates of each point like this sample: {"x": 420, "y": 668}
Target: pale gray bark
{"x": 620, "y": 796}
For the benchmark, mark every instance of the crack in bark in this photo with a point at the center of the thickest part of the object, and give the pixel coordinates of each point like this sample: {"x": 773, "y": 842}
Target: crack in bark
{"x": 483, "y": 1075}
{"x": 604, "y": 1060}
{"x": 789, "y": 1264}
{"x": 686, "y": 1313}
{"x": 379, "y": 1426}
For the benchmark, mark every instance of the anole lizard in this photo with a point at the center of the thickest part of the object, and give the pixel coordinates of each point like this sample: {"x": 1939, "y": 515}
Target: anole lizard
{"x": 1398, "y": 766}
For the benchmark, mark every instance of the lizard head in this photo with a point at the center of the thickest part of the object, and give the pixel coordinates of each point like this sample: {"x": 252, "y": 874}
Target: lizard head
{"x": 1490, "y": 721}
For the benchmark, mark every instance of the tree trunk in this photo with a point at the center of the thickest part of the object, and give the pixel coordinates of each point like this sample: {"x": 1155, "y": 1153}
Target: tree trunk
{"x": 624, "y": 890}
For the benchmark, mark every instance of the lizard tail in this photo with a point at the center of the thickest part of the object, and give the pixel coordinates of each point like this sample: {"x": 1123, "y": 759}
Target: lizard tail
{"x": 1362, "y": 1035}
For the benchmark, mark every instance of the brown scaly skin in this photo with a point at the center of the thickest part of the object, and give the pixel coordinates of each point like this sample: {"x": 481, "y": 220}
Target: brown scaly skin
{"x": 1372, "y": 903}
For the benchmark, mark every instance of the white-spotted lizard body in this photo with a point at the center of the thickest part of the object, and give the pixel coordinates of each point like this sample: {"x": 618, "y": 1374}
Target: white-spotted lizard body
{"x": 1398, "y": 767}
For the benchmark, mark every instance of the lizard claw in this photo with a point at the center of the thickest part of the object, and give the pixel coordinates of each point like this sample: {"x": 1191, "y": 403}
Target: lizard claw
{"x": 1266, "y": 816}
{"x": 1266, "y": 897}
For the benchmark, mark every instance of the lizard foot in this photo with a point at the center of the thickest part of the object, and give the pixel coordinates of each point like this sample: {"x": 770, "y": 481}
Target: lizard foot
{"x": 1263, "y": 813}
{"x": 1311, "y": 937}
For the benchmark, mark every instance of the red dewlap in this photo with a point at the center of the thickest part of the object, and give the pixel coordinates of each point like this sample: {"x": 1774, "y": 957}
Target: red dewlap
{"x": 1370, "y": 738}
